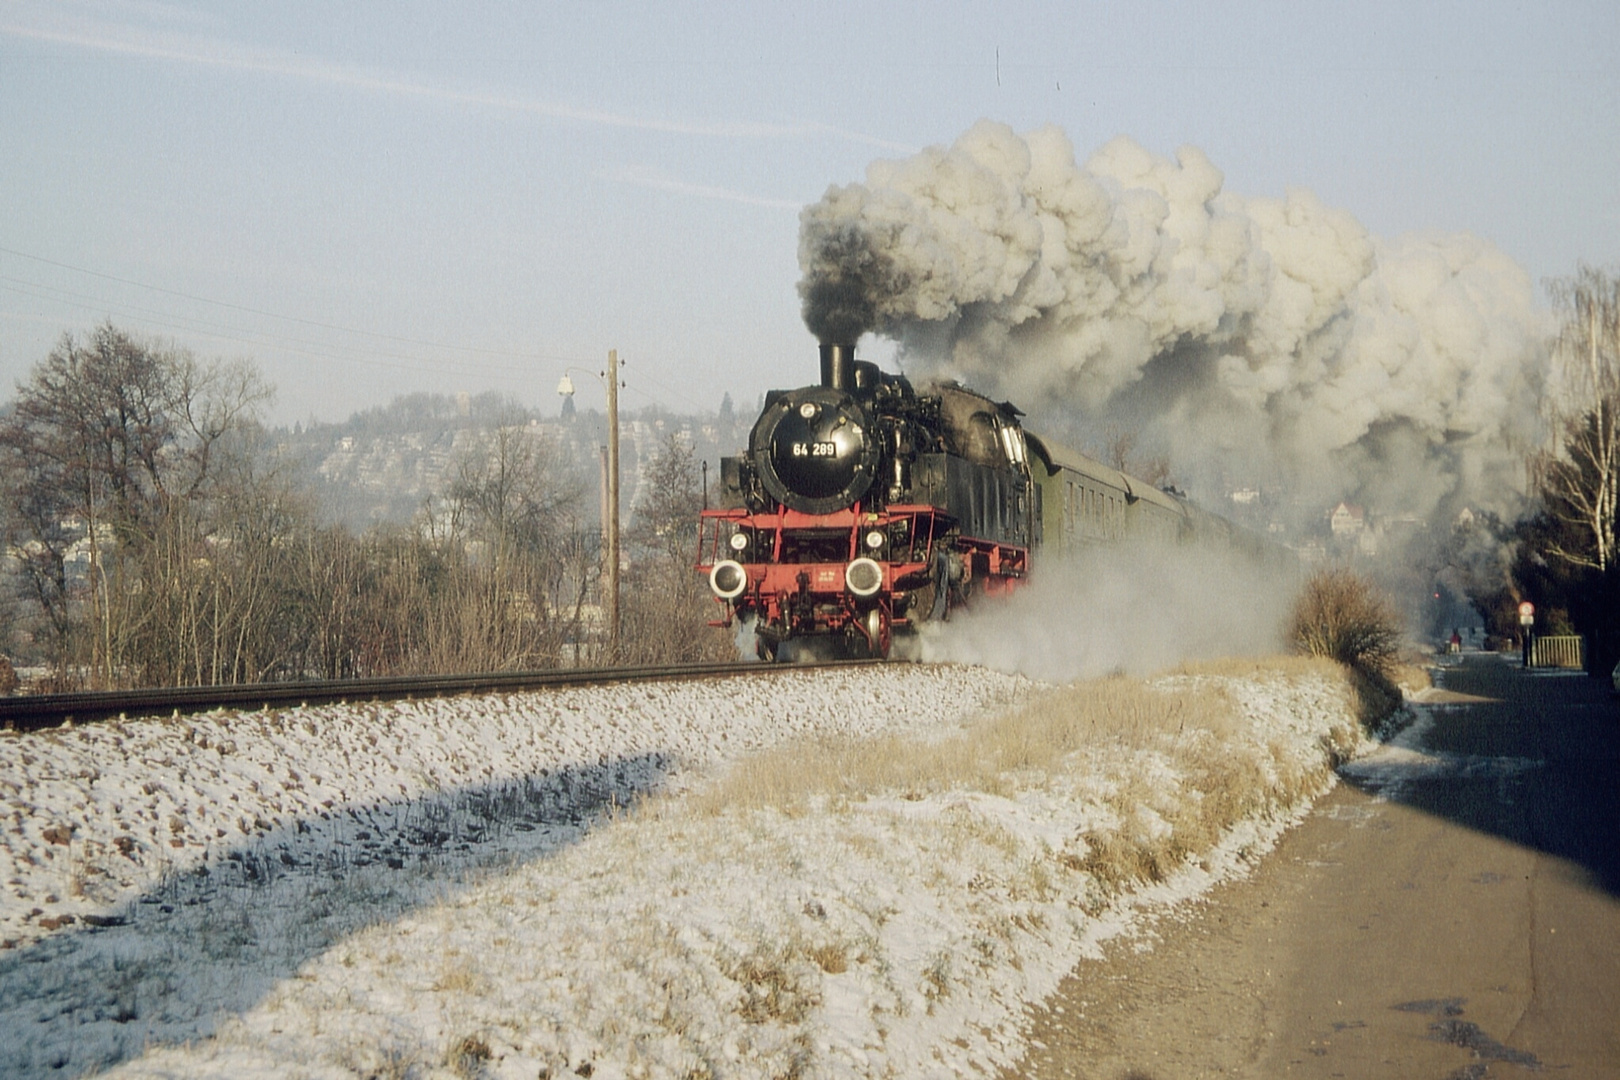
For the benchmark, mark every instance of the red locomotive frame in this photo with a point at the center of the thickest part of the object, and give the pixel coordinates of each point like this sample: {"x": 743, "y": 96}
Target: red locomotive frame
{"x": 798, "y": 571}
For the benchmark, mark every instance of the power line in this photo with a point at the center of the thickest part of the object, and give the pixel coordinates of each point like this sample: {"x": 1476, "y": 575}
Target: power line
{"x": 275, "y": 315}
{"x": 296, "y": 346}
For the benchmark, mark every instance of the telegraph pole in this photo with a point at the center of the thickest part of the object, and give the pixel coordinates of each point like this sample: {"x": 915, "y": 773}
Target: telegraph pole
{"x": 612, "y": 518}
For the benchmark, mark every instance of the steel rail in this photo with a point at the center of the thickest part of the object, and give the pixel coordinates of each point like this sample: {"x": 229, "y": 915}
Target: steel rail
{"x": 32, "y": 712}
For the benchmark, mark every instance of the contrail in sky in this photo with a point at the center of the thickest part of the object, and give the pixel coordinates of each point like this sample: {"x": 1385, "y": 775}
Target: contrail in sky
{"x": 226, "y": 55}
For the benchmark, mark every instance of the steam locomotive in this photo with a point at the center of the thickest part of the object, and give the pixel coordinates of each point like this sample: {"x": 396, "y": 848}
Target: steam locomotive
{"x": 865, "y": 507}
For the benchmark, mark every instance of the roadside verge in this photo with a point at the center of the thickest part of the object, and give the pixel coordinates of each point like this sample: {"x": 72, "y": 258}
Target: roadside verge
{"x": 840, "y": 906}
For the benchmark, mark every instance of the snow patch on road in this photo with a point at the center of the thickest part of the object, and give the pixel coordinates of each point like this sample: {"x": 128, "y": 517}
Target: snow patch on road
{"x": 1391, "y": 768}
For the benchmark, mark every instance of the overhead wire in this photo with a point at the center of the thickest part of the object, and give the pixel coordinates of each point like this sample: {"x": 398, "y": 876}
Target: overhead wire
{"x": 295, "y": 345}
{"x": 306, "y": 347}
{"x": 253, "y": 310}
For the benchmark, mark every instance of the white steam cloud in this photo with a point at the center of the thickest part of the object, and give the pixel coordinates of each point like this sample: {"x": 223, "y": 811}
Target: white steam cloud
{"x": 1135, "y": 611}
{"x": 1254, "y": 342}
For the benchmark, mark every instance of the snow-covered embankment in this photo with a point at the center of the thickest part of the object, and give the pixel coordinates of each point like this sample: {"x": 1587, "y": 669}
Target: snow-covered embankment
{"x": 471, "y": 886}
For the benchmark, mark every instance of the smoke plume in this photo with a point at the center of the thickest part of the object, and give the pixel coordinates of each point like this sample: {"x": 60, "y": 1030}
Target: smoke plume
{"x": 1258, "y": 342}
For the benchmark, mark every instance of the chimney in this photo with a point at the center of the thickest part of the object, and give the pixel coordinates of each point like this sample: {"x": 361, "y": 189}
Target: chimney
{"x": 838, "y": 367}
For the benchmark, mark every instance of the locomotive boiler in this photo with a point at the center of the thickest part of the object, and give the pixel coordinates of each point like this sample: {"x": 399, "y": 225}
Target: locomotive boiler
{"x": 864, "y": 507}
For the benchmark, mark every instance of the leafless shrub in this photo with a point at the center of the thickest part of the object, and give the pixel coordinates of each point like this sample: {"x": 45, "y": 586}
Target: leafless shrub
{"x": 1342, "y": 616}
{"x": 664, "y": 619}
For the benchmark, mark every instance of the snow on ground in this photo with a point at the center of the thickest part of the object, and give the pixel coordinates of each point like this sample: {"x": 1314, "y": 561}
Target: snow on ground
{"x": 469, "y": 887}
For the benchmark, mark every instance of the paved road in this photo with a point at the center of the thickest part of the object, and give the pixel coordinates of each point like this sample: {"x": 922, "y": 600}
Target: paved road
{"x": 1451, "y": 912}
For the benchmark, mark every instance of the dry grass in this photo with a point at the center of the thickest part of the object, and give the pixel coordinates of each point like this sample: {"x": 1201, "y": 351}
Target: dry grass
{"x": 992, "y": 756}
{"x": 829, "y": 958}
{"x": 1410, "y": 677}
{"x": 1213, "y": 771}
{"x": 1377, "y": 697}
{"x": 1249, "y": 667}
{"x": 468, "y": 1056}
{"x": 458, "y": 977}
{"x": 774, "y": 987}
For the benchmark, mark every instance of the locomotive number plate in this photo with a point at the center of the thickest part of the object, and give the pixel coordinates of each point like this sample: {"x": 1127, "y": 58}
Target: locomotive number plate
{"x": 815, "y": 449}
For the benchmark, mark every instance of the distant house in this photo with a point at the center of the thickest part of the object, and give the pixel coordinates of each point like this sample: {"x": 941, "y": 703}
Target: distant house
{"x": 1347, "y": 520}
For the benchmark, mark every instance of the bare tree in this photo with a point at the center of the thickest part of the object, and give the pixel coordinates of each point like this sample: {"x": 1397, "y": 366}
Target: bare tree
{"x": 506, "y": 514}
{"x": 1121, "y": 454}
{"x": 667, "y": 605}
{"x": 511, "y": 492}
{"x": 664, "y": 522}
{"x": 1580, "y": 475}
{"x": 1568, "y": 560}
{"x": 112, "y": 445}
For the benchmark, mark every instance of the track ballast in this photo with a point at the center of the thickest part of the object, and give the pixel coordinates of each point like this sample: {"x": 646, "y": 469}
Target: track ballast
{"x": 33, "y": 712}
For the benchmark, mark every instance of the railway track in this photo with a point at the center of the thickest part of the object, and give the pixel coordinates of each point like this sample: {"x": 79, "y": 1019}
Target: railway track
{"x": 33, "y": 712}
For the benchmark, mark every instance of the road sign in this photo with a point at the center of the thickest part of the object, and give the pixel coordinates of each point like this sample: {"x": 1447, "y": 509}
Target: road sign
{"x": 1527, "y": 614}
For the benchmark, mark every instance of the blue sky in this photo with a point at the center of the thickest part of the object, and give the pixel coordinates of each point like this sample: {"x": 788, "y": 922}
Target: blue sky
{"x": 374, "y": 198}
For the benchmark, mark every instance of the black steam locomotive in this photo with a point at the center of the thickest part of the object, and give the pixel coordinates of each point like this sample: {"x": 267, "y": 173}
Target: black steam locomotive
{"x": 865, "y": 507}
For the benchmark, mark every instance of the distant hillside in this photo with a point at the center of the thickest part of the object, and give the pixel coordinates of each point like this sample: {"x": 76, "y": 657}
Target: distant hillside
{"x": 382, "y": 465}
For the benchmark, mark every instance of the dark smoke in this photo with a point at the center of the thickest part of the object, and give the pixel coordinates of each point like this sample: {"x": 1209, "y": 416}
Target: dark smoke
{"x": 1252, "y": 342}
{"x": 858, "y": 276}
